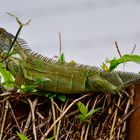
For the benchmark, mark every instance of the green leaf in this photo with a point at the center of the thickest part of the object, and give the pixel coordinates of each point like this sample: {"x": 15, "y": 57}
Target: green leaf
{"x": 82, "y": 117}
{"x": 104, "y": 67}
{"x": 61, "y": 97}
{"x": 93, "y": 111}
{"x": 21, "y": 136}
{"x": 82, "y": 108}
{"x": 7, "y": 77}
{"x": 51, "y": 95}
{"x": 125, "y": 58}
{"x": 41, "y": 92}
{"x": 28, "y": 88}
{"x": 23, "y": 86}
{"x": 51, "y": 138}
{"x": 62, "y": 58}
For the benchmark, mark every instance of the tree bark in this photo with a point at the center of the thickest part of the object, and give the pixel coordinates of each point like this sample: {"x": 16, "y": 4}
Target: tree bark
{"x": 134, "y": 120}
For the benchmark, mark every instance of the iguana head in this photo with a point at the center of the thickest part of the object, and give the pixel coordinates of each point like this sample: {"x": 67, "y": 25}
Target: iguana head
{"x": 5, "y": 41}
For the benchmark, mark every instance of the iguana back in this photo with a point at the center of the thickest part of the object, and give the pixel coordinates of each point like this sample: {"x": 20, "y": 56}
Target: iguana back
{"x": 63, "y": 77}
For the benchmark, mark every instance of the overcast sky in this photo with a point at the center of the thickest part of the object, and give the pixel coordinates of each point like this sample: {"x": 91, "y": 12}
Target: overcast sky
{"x": 88, "y": 27}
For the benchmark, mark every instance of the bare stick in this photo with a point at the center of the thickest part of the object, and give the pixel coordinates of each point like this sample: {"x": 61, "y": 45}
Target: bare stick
{"x": 127, "y": 116}
{"x": 133, "y": 49}
{"x": 14, "y": 117}
{"x": 56, "y": 105}
{"x": 40, "y": 116}
{"x": 28, "y": 120}
{"x": 33, "y": 116}
{"x": 5, "y": 94}
{"x": 59, "y": 123}
{"x": 60, "y": 45}
{"x": 54, "y": 116}
{"x": 114, "y": 120}
{"x": 3, "y": 120}
{"x": 61, "y": 116}
{"x": 89, "y": 123}
{"x": 118, "y": 50}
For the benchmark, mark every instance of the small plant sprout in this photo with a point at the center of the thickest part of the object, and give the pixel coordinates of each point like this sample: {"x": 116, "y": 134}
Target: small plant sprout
{"x": 21, "y": 136}
{"x": 85, "y": 114}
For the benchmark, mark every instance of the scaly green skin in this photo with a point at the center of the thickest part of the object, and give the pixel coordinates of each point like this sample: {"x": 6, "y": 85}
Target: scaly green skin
{"x": 61, "y": 77}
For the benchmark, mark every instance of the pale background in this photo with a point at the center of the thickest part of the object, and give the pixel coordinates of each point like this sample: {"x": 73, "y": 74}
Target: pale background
{"x": 88, "y": 27}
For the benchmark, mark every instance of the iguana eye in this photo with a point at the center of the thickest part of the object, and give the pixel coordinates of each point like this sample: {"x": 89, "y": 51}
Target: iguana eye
{"x": 4, "y": 48}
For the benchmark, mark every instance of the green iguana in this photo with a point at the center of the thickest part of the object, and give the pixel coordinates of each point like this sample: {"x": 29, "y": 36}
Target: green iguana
{"x": 60, "y": 77}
